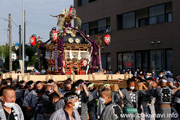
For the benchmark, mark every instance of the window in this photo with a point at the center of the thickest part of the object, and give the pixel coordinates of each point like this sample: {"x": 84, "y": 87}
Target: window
{"x": 102, "y": 26}
{"x": 83, "y": 2}
{"x": 119, "y": 22}
{"x": 106, "y": 61}
{"x": 169, "y": 17}
{"x": 138, "y": 60}
{"x": 108, "y": 23}
{"x": 98, "y": 26}
{"x": 91, "y": 1}
{"x": 142, "y": 17}
{"x": 152, "y": 59}
{"x": 146, "y": 16}
{"x": 79, "y": 2}
{"x": 169, "y": 55}
{"x": 169, "y": 12}
{"x": 157, "y": 59}
{"x": 142, "y": 60}
{"x": 128, "y": 20}
{"x": 120, "y": 64}
{"x": 128, "y": 61}
{"x": 93, "y": 28}
{"x": 157, "y": 14}
{"x": 85, "y": 28}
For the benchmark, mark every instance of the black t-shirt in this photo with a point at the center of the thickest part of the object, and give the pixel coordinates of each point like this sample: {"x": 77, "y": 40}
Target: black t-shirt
{"x": 9, "y": 116}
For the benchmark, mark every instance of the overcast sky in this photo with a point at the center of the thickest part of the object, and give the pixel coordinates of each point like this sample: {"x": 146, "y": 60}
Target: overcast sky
{"x": 37, "y": 16}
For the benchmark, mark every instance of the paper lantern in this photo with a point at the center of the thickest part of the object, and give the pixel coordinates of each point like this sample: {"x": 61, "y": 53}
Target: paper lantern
{"x": 64, "y": 63}
{"x": 107, "y": 39}
{"x": 33, "y": 40}
{"x": 51, "y": 61}
{"x": 72, "y": 12}
{"x": 84, "y": 63}
{"x": 53, "y": 35}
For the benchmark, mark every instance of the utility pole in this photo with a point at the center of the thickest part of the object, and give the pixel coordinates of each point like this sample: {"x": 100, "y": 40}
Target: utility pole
{"x": 20, "y": 42}
{"x": 23, "y": 37}
{"x": 10, "y": 44}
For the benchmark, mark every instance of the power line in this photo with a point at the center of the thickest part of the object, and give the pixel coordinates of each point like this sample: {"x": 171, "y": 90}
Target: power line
{"x": 15, "y": 23}
{"x": 38, "y": 27}
{"x": 40, "y": 24}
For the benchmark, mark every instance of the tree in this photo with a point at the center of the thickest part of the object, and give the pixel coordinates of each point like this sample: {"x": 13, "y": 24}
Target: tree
{"x": 4, "y": 50}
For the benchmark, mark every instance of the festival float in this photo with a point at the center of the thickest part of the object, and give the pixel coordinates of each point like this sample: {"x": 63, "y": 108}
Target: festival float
{"x": 69, "y": 50}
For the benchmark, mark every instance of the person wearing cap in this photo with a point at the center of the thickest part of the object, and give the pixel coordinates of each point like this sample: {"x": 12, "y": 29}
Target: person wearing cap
{"x": 69, "y": 111}
{"x": 141, "y": 77}
{"x": 130, "y": 98}
{"x": 84, "y": 98}
{"x": 9, "y": 110}
{"x": 163, "y": 99}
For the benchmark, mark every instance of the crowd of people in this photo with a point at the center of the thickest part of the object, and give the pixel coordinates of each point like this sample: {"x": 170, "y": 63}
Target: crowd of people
{"x": 148, "y": 96}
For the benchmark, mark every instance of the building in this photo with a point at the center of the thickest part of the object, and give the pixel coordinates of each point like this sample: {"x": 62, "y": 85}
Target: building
{"x": 144, "y": 33}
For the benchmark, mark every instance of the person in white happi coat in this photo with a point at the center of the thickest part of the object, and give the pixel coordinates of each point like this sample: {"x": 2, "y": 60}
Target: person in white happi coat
{"x": 9, "y": 110}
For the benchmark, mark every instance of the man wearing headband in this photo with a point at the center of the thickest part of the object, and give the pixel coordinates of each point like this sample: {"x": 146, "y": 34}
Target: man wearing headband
{"x": 30, "y": 87}
{"x": 67, "y": 86}
{"x": 108, "y": 86}
{"x": 115, "y": 99}
{"x": 48, "y": 107}
{"x": 69, "y": 111}
{"x": 163, "y": 99}
{"x": 92, "y": 106}
{"x": 50, "y": 82}
{"x": 84, "y": 98}
{"x": 32, "y": 100}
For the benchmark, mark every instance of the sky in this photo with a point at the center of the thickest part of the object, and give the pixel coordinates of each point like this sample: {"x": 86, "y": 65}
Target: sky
{"x": 38, "y": 20}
